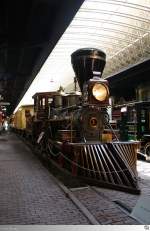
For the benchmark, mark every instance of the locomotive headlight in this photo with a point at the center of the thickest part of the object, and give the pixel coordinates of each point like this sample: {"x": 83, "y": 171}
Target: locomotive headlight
{"x": 100, "y": 91}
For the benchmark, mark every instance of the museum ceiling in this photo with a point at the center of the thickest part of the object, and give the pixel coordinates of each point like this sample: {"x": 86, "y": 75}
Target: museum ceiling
{"x": 28, "y": 32}
{"x": 37, "y": 30}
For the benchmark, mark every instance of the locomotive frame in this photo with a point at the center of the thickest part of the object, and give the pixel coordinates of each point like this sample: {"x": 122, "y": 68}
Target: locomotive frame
{"x": 71, "y": 135}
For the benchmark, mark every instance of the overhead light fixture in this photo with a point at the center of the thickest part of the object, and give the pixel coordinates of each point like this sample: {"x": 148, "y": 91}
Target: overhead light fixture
{"x": 1, "y": 97}
{"x": 2, "y": 103}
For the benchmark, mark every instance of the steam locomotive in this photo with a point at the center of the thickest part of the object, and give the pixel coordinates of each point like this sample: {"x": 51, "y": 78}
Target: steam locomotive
{"x": 69, "y": 129}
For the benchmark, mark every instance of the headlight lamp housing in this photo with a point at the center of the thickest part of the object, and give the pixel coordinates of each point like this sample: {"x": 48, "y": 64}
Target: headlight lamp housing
{"x": 100, "y": 91}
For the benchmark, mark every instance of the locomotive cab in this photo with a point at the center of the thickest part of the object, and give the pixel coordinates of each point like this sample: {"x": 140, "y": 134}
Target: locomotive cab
{"x": 42, "y": 101}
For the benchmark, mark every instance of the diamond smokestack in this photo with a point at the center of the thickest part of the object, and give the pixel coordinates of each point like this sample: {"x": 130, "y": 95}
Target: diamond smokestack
{"x": 88, "y": 62}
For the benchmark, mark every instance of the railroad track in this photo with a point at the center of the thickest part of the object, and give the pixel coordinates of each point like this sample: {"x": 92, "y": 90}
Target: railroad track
{"x": 96, "y": 207}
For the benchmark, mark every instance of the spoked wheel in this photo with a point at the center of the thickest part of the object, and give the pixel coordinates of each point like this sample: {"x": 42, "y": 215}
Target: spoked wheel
{"x": 147, "y": 151}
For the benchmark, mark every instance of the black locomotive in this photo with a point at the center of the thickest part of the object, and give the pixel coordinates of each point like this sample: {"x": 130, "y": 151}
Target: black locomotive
{"x": 70, "y": 128}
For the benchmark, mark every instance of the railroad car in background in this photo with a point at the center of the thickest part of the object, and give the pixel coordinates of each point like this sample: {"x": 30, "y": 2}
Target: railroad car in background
{"x": 22, "y": 119}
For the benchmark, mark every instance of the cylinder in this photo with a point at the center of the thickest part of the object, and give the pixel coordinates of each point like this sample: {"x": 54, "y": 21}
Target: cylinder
{"x": 72, "y": 99}
{"x": 57, "y": 101}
